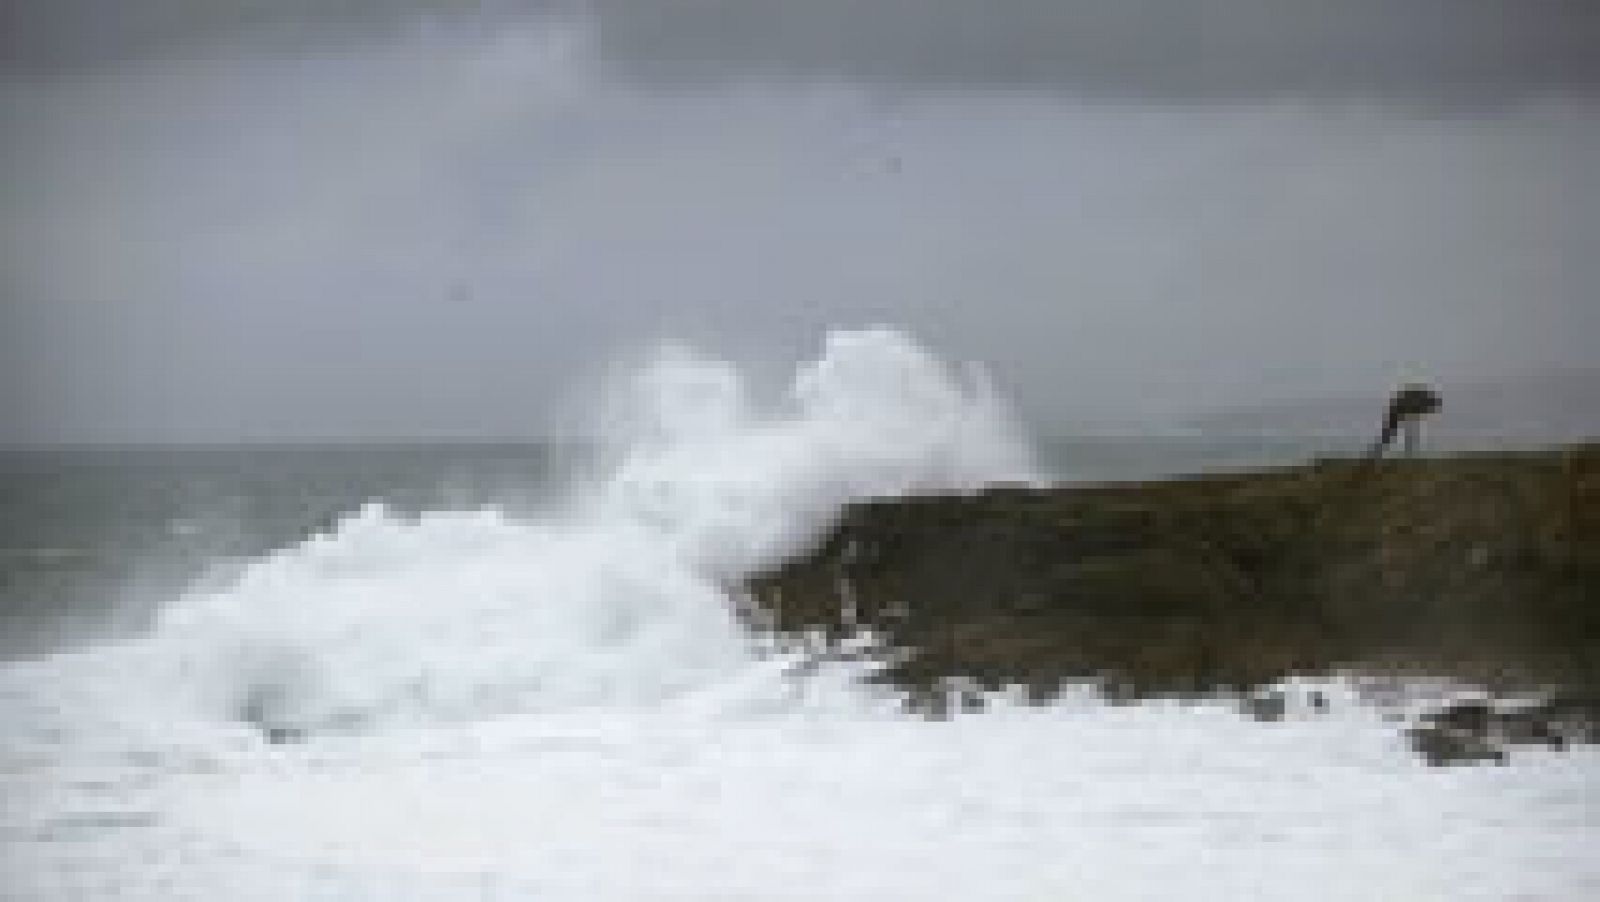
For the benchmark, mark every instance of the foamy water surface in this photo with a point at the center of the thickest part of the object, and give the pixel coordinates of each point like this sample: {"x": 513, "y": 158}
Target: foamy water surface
{"x": 564, "y": 706}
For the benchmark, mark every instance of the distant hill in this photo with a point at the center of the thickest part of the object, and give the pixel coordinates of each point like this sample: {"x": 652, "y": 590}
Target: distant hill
{"x": 1551, "y": 405}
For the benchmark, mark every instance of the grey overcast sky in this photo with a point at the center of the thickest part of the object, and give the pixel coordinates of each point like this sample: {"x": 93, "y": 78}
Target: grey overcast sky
{"x": 289, "y": 220}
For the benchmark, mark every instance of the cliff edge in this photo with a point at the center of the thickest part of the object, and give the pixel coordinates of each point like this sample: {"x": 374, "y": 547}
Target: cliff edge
{"x": 1484, "y": 568}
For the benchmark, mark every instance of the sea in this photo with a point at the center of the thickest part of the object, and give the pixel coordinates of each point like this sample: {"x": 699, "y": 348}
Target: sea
{"x": 516, "y": 671}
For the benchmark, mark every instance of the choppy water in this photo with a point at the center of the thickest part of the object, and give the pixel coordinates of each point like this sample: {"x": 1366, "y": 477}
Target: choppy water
{"x": 550, "y": 698}
{"x": 94, "y": 539}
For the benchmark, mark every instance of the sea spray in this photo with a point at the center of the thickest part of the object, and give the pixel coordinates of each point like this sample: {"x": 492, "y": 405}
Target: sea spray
{"x": 620, "y": 598}
{"x": 562, "y": 707}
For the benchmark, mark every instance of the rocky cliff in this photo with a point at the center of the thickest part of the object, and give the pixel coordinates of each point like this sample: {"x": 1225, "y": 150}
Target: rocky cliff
{"x": 1484, "y": 568}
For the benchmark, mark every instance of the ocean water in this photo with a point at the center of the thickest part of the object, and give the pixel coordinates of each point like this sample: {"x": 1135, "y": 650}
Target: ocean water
{"x": 516, "y": 672}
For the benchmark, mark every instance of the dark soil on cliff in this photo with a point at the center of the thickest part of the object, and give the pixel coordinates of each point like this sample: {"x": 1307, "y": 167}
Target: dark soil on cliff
{"x": 1483, "y": 568}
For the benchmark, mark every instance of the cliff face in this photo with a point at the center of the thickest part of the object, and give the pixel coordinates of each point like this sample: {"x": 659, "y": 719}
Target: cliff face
{"x": 1485, "y": 568}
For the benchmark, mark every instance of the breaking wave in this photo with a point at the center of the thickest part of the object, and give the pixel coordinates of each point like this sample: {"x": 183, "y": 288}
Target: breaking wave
{"x": 567, "y": 706}
{"x": 621, "y": 597}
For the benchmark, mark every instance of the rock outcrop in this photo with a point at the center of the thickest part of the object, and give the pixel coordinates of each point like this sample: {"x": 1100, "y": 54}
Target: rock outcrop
{"x": 1485, "y": 568}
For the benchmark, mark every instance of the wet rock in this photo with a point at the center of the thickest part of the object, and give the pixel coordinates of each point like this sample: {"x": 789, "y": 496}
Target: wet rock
{"x": 1469, "y": 717}
{"x": 1477, "y": 730}
{"x": 1265, "y": 706}
{"x": 1439, "y": 747}
{"x": 1485, "y": 569}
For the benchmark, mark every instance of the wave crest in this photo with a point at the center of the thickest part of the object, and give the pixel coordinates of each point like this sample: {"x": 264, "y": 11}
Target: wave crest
{"x": 622, "y": 597}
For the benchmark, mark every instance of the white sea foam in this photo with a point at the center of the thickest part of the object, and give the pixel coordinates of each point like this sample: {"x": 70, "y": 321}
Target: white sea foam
{"x": 621, "y": 597}
{"x": 564, "y": 707}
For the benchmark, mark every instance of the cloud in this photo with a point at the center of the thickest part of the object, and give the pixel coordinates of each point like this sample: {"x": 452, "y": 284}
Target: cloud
{"x": 1182, "y": 48}
{"x": 433, "y": 231}
{"x": 44, "y": 37}
{"x": 1436, "y": 49}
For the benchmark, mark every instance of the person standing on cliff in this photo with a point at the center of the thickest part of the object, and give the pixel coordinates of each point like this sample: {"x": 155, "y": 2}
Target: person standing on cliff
{"x": 1406, "y": 409}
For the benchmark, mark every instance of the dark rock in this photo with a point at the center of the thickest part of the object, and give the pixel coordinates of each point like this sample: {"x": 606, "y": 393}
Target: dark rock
{"x": 1439, "y": 746}
{"x": 1265, "y": 706}
{"x": 1472, "y": 718}
{"x": 1483, "y": 568}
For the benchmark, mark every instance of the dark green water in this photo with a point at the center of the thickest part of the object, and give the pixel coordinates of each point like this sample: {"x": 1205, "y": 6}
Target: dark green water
{"x": 93, "y": 539}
